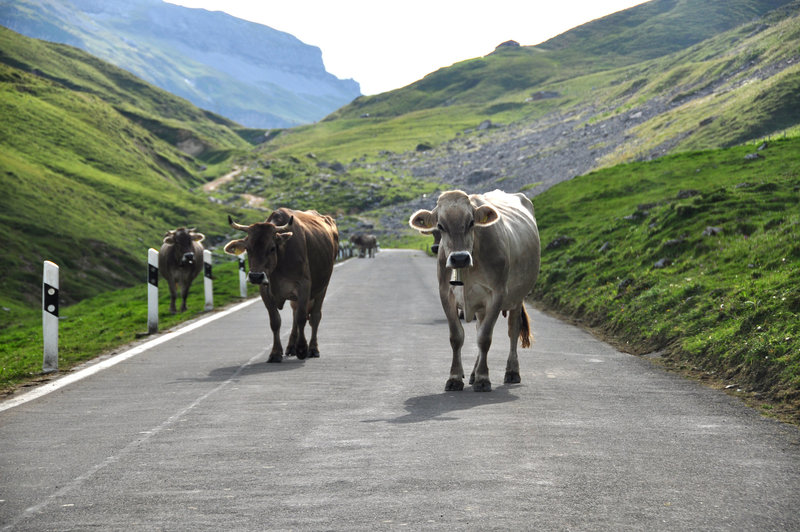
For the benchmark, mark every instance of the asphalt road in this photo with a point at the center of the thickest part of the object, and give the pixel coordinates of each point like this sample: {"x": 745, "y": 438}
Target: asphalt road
{"x": 199, "y": 433}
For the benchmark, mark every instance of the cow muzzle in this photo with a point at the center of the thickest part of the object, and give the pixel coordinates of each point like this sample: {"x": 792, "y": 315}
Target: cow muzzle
{"x": 187, "y": 258}
{"x": 258, "y": 278}
{"x": 459, "y": 259}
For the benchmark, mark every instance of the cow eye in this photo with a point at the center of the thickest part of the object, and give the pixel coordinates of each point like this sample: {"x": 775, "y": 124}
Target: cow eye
{"x": 440, "y": 228}
{"x": 470, "y": 224}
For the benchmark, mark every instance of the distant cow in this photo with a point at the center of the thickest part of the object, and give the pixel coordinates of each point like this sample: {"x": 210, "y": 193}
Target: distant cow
{"x": 180, "y": 260}
{"x": 488, "y": 261}
{"x": 366, "y": 244}
{"x": 291, "y": 257}
{"x": 437, "y": 237}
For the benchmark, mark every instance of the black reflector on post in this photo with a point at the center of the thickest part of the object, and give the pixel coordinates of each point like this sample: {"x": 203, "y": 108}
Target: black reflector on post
{"x": 50, "y": 299}
{"x": 152, "y": 275}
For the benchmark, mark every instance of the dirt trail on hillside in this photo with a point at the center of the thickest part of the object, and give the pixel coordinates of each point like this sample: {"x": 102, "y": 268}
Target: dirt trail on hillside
{"x": 213, "y": 185}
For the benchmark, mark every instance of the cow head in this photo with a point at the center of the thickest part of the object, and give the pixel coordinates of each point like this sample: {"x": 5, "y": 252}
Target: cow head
{"x": 183, "y": 240}
{"x": 454, "y": 219}
{"x": 262, "y": 243}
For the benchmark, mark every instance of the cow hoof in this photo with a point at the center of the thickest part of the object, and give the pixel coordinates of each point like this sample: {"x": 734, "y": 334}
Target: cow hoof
{"x": 482, "y": 385}
{"x": 454, "y": 385}
{"x": 275, "y": 357}
{"x": 301, "y": 353}
{"x": 313, "y": 353}
{"x": 512, "y": 377}
{"x": 290, "y": 352}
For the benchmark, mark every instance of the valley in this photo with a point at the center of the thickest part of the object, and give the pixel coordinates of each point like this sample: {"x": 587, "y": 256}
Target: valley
{"x": 596, "y": 137}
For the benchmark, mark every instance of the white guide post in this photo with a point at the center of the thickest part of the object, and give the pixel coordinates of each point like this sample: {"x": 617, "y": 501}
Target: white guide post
{"x": 209, "y": 284}
{"x": 152, "y": 291}
{"x": 50, "y": 316}
{"x": 242, "y": 276}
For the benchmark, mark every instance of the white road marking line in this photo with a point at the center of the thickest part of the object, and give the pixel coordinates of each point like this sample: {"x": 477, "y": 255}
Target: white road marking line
{"x": 133, "y": 444}
{"x": 95, "y": 368}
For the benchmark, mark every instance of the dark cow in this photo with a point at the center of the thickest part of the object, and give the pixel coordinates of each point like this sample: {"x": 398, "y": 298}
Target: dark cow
{"x": 291, "y": 256}
{"x": 437, "y": 237}
{"x": 366, "y": 244}
{"x": 488, "y": 261}
{"x": 180, "y": 260}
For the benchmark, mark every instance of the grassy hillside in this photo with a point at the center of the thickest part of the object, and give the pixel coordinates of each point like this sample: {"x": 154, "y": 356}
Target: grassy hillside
{"x": 696, "y": 255}
{"x": 655, "y": 29}
{"x": 649, "y": 31}
{"x": 95, "y": 166}
{"x": 735, "y": 86}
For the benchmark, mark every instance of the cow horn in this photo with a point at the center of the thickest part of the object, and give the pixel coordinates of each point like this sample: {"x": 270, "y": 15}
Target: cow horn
{"x": 286, "y": 227}
{"x": 233, "y": 224}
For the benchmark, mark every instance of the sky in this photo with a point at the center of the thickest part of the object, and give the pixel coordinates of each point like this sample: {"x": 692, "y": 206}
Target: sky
{"x": 386, "y": 45}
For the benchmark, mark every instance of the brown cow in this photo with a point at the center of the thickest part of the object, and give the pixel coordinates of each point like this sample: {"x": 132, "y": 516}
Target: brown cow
{"x": 488, "y": 261}
{"x": 180, "y": 260}
{"x": 366, "y": 244}
{"x": 291, "y": 256}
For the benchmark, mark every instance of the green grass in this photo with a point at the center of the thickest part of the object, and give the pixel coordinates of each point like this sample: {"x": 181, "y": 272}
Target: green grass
{"x": 104, "y": 322}
{"x": 299, "y": 182}
{"x": 728, "y": 304}
{"x": 348, "y": 138}
{"x": 94, "y": 169}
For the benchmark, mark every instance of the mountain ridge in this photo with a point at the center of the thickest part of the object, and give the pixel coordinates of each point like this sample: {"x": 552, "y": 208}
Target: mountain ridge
{"x": 644, "y": 32}
{"x": 248, "y": 72}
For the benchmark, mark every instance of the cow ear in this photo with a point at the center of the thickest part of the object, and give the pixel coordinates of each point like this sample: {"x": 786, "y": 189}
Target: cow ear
{"x": 422, "y": 221}
{"x": 198, "y": 237}
{"x": 485, "y": 216}
{"x": 169, "y": 239}
{"x": 235, "y": 247}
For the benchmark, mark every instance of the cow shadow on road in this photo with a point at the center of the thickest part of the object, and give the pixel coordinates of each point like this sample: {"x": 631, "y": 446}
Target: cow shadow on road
{"x": 438, "y": 406}
{"x": 238, "y": 372}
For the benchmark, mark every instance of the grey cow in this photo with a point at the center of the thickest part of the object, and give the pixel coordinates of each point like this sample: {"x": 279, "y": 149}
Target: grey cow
{"x": 180, "y": 260}
{"x": 367, "y": 244}
{"x": 488, "y": 261}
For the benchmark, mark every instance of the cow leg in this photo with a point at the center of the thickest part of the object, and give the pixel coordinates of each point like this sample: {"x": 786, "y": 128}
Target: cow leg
{"x": 276, "y": 355}
{"x": 512, "y": 365}
{"x": 456, "y": 380}
{"x": 293, "y": 347}
{"x": 184, "y": 295}
{"x": 478, "y": 319}
{"x": 300, "y": 308}
{"x": 173, "y": 294}
{"x": 315, "y": 316}
{"x": 486, "y": 323}
{"x": 290, "y": 347}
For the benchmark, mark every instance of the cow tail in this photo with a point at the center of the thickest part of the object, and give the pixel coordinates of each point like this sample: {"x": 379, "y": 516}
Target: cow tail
{"x": 525, "y": 334}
